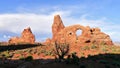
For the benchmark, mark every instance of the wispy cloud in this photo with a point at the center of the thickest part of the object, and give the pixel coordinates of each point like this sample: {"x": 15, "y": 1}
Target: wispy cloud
{"x": 16, "y": 22}
{"x": 41, "y": 22}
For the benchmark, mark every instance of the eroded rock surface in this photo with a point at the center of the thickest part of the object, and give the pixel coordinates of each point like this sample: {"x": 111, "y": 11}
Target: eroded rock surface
{"x": 62, "y": 34}
{"x": 26, "y": 37}
{"x": 57, "y": 25}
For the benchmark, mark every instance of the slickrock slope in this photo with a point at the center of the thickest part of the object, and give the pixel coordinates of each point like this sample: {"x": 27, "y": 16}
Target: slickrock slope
{"x": 26, "y": 37}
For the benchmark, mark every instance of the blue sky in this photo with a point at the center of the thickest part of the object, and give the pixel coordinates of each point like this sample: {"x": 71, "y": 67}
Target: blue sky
{"x": 15, "y": 15}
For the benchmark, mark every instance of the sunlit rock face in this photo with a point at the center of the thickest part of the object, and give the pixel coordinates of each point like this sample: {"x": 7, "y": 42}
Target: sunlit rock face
{"x": 26, "y": 37}
{"x": 57, "y": 26}
{"x": 62, "y": 34}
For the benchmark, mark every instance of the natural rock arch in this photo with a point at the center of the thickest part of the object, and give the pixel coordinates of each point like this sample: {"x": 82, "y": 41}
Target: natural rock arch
{"x": 78, "y": 33}
{"x": 68, "y": 34}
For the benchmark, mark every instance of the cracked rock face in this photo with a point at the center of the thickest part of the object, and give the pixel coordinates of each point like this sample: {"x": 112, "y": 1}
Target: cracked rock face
{"x": 62, "y": 34}
{"x": 26, "y": 37}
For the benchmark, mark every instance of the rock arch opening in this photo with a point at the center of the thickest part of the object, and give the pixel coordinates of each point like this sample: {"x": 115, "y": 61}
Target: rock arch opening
{"x": 78, "y": 33}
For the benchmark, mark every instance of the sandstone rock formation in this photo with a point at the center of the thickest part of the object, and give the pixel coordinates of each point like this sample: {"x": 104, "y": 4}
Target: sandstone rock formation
{"x": 57, "y": 25}
{"x": 47, "y": 42}
{"x": 62, "y": 34}
{"x": 26, "y": 37}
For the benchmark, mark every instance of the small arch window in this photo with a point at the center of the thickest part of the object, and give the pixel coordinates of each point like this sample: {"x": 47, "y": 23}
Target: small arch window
{"x": 70, "y": 33}
{"x": 78, "y": 32}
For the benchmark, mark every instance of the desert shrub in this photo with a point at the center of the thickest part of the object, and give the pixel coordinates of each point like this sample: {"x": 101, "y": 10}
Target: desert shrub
{"x": 42, "y": 51}
{"x": 94, "y": 46}
{"x": 18, "y": 52}
{"x": 21, "y": 57}
{"x": 29, "y": 50}
{"x": 61, "y": 50}
{"x": 48, "y": 52}
{"x": 104, "y": 49}
{"x": 115, "y": 49}
{"x": 5, "y": 54}
{"x": 82, "y": 54}
{"x": 34, "y": 51}
{"x": 85, "y": 48}
{"x": 73, "y": 59}
{"x": 29, "y": 58}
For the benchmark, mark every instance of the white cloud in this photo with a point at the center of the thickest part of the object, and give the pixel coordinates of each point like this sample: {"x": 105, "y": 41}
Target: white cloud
{"x": 109, "y": 28}
{"x": 5, "y": 36}
{"x": 16, "y": 22}
{"x": 41, "y": 23}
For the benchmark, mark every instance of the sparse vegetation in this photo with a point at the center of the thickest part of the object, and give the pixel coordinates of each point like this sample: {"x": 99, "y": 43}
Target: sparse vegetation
{"x": 28, "y": 58}
{"x": 5, "y": 54}
{"x": 72, "y": 59}
{"x": 93, "y": 46}
{"x": 61, "y": 50}
{"x": 85, "y": 48}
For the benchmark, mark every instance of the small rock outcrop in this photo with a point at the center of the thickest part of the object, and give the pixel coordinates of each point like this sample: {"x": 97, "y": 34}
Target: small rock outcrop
{"x": 62, "y": 34}
{"x": 26, "y": 37}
